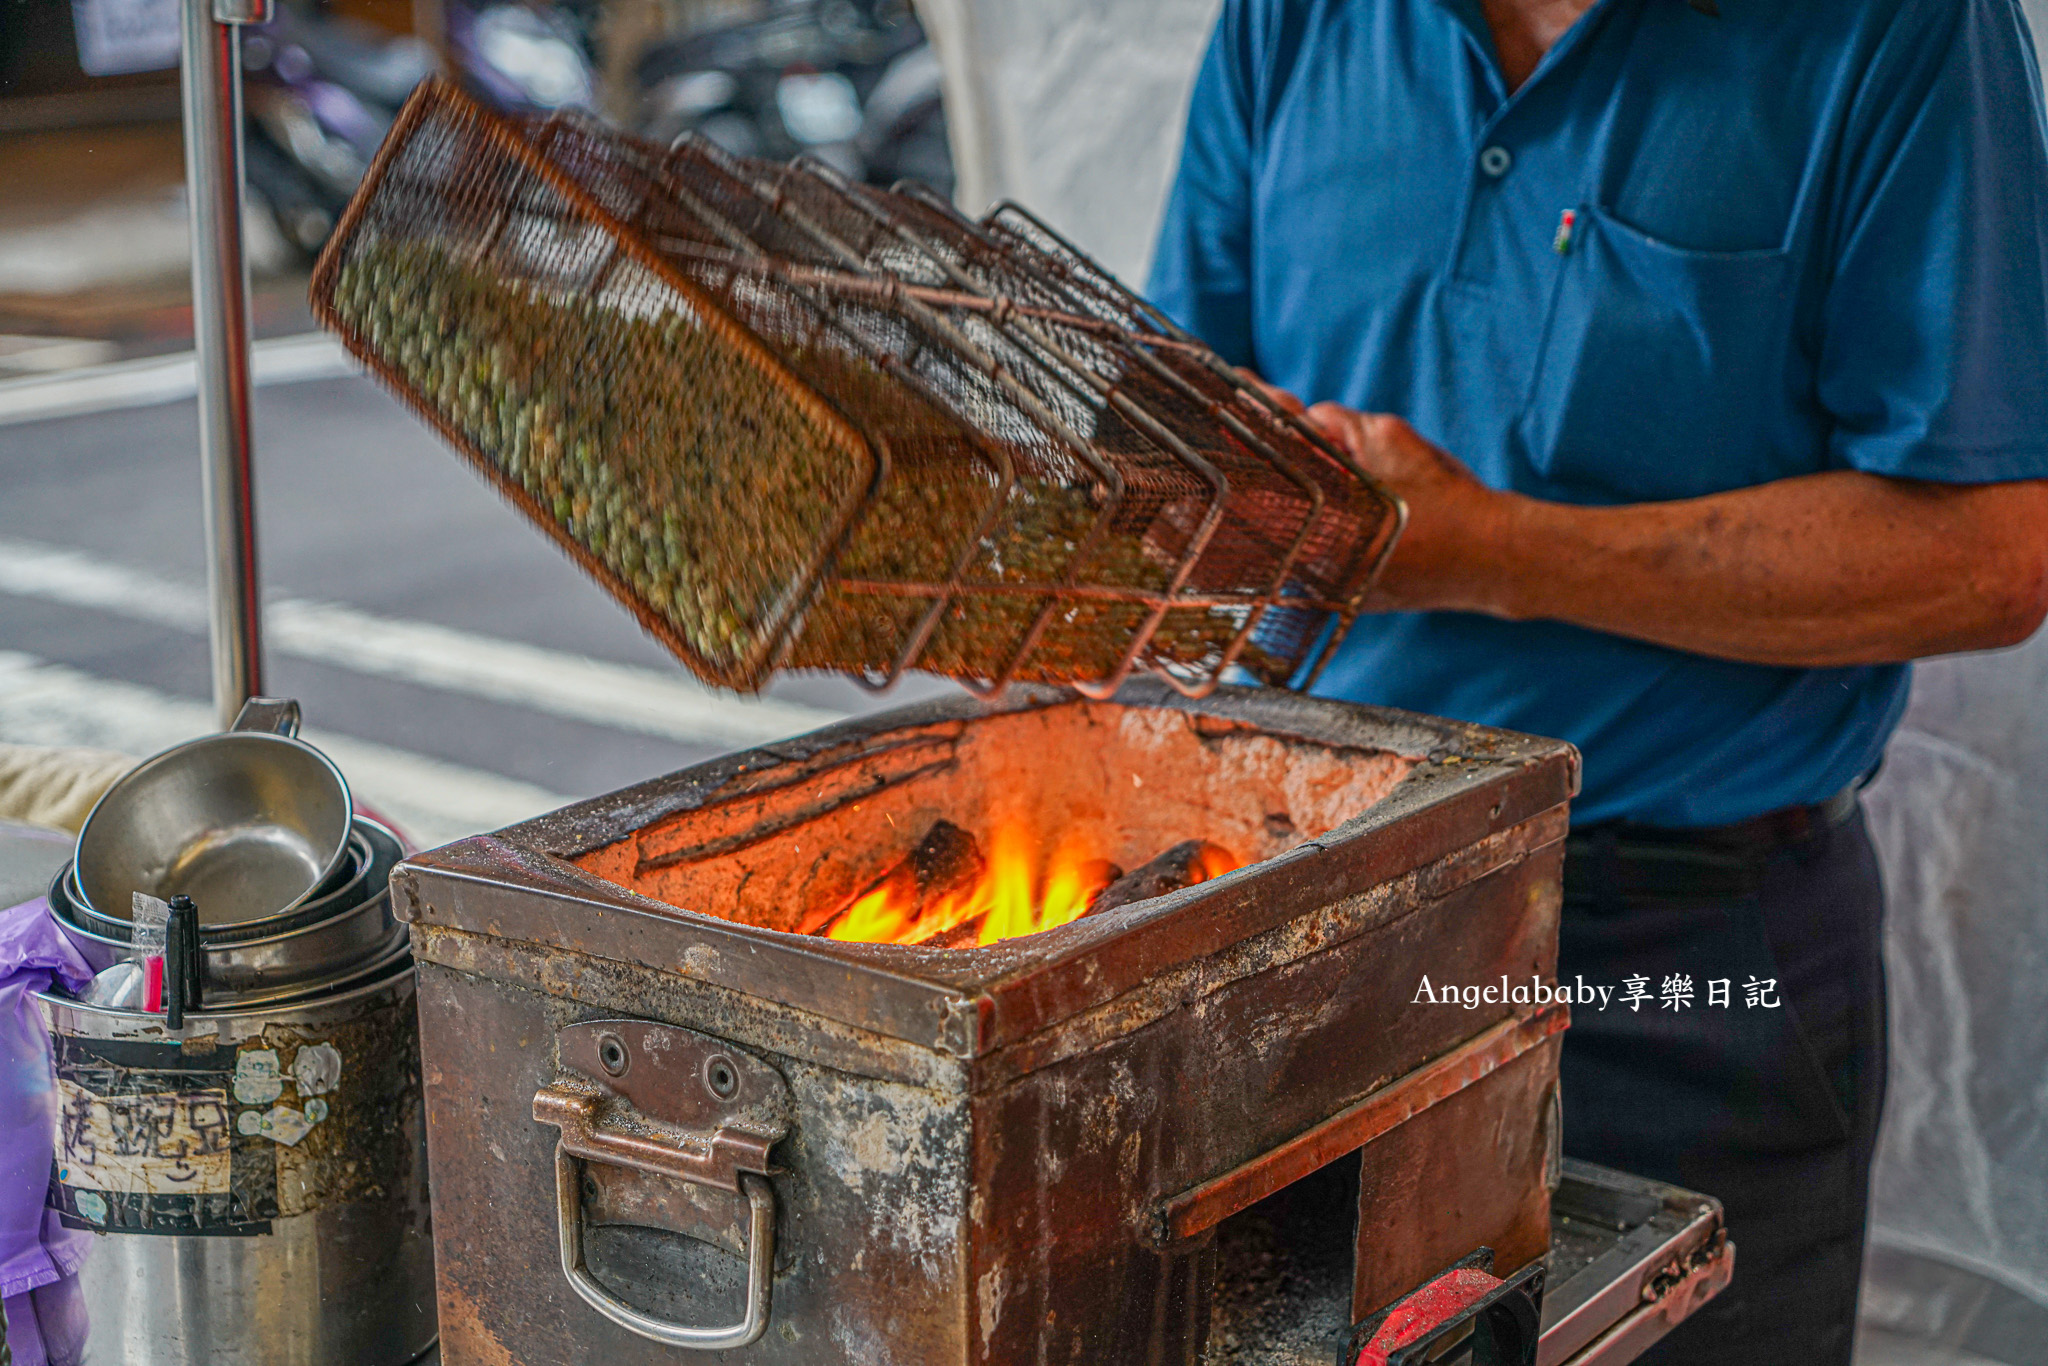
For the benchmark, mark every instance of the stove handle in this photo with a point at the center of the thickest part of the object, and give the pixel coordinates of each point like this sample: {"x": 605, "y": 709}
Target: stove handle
{"x": 760, "y": 1266}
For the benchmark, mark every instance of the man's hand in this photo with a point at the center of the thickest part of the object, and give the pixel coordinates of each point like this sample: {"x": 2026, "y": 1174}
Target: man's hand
{"x": 1439, "y": 564}
{"x": 1840, "y": 568}
{"x": 1279, "y": 397}
{"x": 1445, "y": 559}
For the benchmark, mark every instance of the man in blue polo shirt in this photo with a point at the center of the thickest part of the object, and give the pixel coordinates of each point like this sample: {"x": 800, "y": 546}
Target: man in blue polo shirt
{"x": 1708, "y": 342}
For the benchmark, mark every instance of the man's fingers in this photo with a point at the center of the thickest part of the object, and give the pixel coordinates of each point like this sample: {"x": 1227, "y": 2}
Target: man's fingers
{"x": 1361, "y": 429}
{"x": 1383, "y": 445}
{"x": 1345, "y": 426}
{"x": 1279, "y": 396}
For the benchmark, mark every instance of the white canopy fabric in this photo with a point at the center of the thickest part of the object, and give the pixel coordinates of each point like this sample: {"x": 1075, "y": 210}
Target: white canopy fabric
{"x": 1074, "y": 108}
{"x": 1960, "y": 1195}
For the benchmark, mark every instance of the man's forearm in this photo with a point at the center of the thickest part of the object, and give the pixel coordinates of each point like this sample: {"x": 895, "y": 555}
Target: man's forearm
{"x": 1828, "y": 569}
{"x": 1832, "y": 569}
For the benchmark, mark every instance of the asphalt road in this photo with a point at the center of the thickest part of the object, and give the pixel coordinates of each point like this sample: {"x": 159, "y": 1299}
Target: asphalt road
{"x": 358, "y": 506}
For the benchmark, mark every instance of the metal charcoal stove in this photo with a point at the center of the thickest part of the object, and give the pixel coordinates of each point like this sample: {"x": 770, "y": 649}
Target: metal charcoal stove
{"x": 663, "y": 1115}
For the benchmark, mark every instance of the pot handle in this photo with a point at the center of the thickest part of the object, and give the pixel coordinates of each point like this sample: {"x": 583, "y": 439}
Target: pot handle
{"x": 275, "y": 715}
{"x": 760, "y": 1266}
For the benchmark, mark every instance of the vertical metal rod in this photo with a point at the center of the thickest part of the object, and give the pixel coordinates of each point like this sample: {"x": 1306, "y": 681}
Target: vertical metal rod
{"x": 211, "y": 79}
{"x": 211, "y": 93}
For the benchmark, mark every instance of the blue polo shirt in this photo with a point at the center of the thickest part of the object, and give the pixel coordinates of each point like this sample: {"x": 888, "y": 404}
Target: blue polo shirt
{"x": 1804, "y": 235}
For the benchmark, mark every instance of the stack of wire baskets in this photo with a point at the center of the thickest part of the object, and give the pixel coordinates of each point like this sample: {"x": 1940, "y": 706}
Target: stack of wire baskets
{"x": 794, "y": 422}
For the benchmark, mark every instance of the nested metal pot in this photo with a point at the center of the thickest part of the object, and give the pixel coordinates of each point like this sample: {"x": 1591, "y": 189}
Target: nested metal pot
{"x": 249, "y": 823}
{"x": 332, "y": 938}
{"x": 259, "y": 1178}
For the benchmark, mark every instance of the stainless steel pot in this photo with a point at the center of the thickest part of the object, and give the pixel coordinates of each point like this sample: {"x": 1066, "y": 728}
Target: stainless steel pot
{"x": 344, "y": 888}
{"x": 276, "y": 957}
{"x": 370, "y": 845}
{"x": 248, "y": 824}
{"x": 276, "y": 1212}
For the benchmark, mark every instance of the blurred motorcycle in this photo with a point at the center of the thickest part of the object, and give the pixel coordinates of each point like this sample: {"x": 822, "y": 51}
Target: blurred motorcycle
{"x": 322, "y": 91}
{"x": 853, "y": 83}
{"x": 520, "y": 58}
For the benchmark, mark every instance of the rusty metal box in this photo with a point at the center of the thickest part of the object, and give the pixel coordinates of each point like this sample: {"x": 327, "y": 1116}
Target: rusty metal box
{"x": 1006, "y": 1154}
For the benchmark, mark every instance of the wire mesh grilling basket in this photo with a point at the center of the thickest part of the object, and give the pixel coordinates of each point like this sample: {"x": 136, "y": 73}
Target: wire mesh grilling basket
{"x": 796, "y": 422}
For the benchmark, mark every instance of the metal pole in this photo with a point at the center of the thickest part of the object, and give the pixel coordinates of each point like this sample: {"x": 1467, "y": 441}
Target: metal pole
{"x": 211, "y": 79}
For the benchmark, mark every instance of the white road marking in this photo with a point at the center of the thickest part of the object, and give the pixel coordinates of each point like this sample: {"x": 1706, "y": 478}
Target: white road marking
{"x": 29, "y": 355}
{"x": 164, "y": 379}
{"x": 126, "y": 239}
{"x": 619, "y": 696}
{"x": 432, "y": 802}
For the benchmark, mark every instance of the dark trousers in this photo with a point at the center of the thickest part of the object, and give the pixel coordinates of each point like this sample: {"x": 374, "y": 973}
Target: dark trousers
{"x": 1773, "y": 1111}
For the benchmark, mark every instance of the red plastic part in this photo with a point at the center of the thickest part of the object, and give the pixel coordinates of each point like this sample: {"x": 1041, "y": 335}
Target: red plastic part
{"x": 1443, "y": 1299}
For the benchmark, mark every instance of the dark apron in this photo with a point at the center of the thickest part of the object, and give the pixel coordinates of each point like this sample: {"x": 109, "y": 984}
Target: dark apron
{"x": 1773, "y": 1111}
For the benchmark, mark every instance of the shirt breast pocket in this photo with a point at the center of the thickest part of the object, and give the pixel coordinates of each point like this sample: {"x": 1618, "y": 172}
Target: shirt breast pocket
{"x": 1658, "y": 367}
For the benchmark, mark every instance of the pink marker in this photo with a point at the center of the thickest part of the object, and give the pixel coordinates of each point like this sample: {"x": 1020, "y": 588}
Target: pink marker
{"x": 153, "y": 983}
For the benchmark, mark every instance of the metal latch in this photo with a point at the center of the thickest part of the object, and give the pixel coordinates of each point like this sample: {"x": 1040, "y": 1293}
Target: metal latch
{"x": 671, "y": 1102}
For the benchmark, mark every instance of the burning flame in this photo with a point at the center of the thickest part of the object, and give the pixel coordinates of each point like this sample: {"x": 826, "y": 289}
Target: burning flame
{"x": 1022, "y": 889}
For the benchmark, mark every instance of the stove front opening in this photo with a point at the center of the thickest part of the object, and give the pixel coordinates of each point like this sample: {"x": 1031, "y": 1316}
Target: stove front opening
{"x": 1283, "y": 1272}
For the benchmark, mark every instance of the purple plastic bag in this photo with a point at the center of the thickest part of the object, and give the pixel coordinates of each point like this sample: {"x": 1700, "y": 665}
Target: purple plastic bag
{"x": 39, "y": 1258}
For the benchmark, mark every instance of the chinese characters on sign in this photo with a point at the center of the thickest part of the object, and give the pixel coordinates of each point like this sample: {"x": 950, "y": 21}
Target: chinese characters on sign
{"x": 172, "y": 1143}
{"x": 1676, "y": 992}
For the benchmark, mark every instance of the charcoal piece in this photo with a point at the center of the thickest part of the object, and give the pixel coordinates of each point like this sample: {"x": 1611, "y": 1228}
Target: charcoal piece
{"x": 966, "y": 935}
{"x": 1184, "y": 865}
{"x": 946, "y": 862}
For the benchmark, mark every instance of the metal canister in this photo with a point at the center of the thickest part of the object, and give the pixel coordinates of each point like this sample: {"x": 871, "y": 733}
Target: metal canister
{"x": 257, "y": 1178}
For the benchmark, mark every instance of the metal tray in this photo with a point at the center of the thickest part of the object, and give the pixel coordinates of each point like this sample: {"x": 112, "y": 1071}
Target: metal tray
{"x": 1630, "y": 1260}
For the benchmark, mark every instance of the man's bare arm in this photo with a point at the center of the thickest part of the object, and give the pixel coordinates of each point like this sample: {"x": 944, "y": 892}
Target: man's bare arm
{"x": 1828, "y": 569}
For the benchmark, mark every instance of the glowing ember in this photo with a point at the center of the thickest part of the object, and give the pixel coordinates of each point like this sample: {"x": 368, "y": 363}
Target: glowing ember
{"x": 947, "y": 894}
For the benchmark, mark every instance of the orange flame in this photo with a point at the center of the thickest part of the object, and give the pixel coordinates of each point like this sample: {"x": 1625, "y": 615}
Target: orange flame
{"x": 1022, "y": 889}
